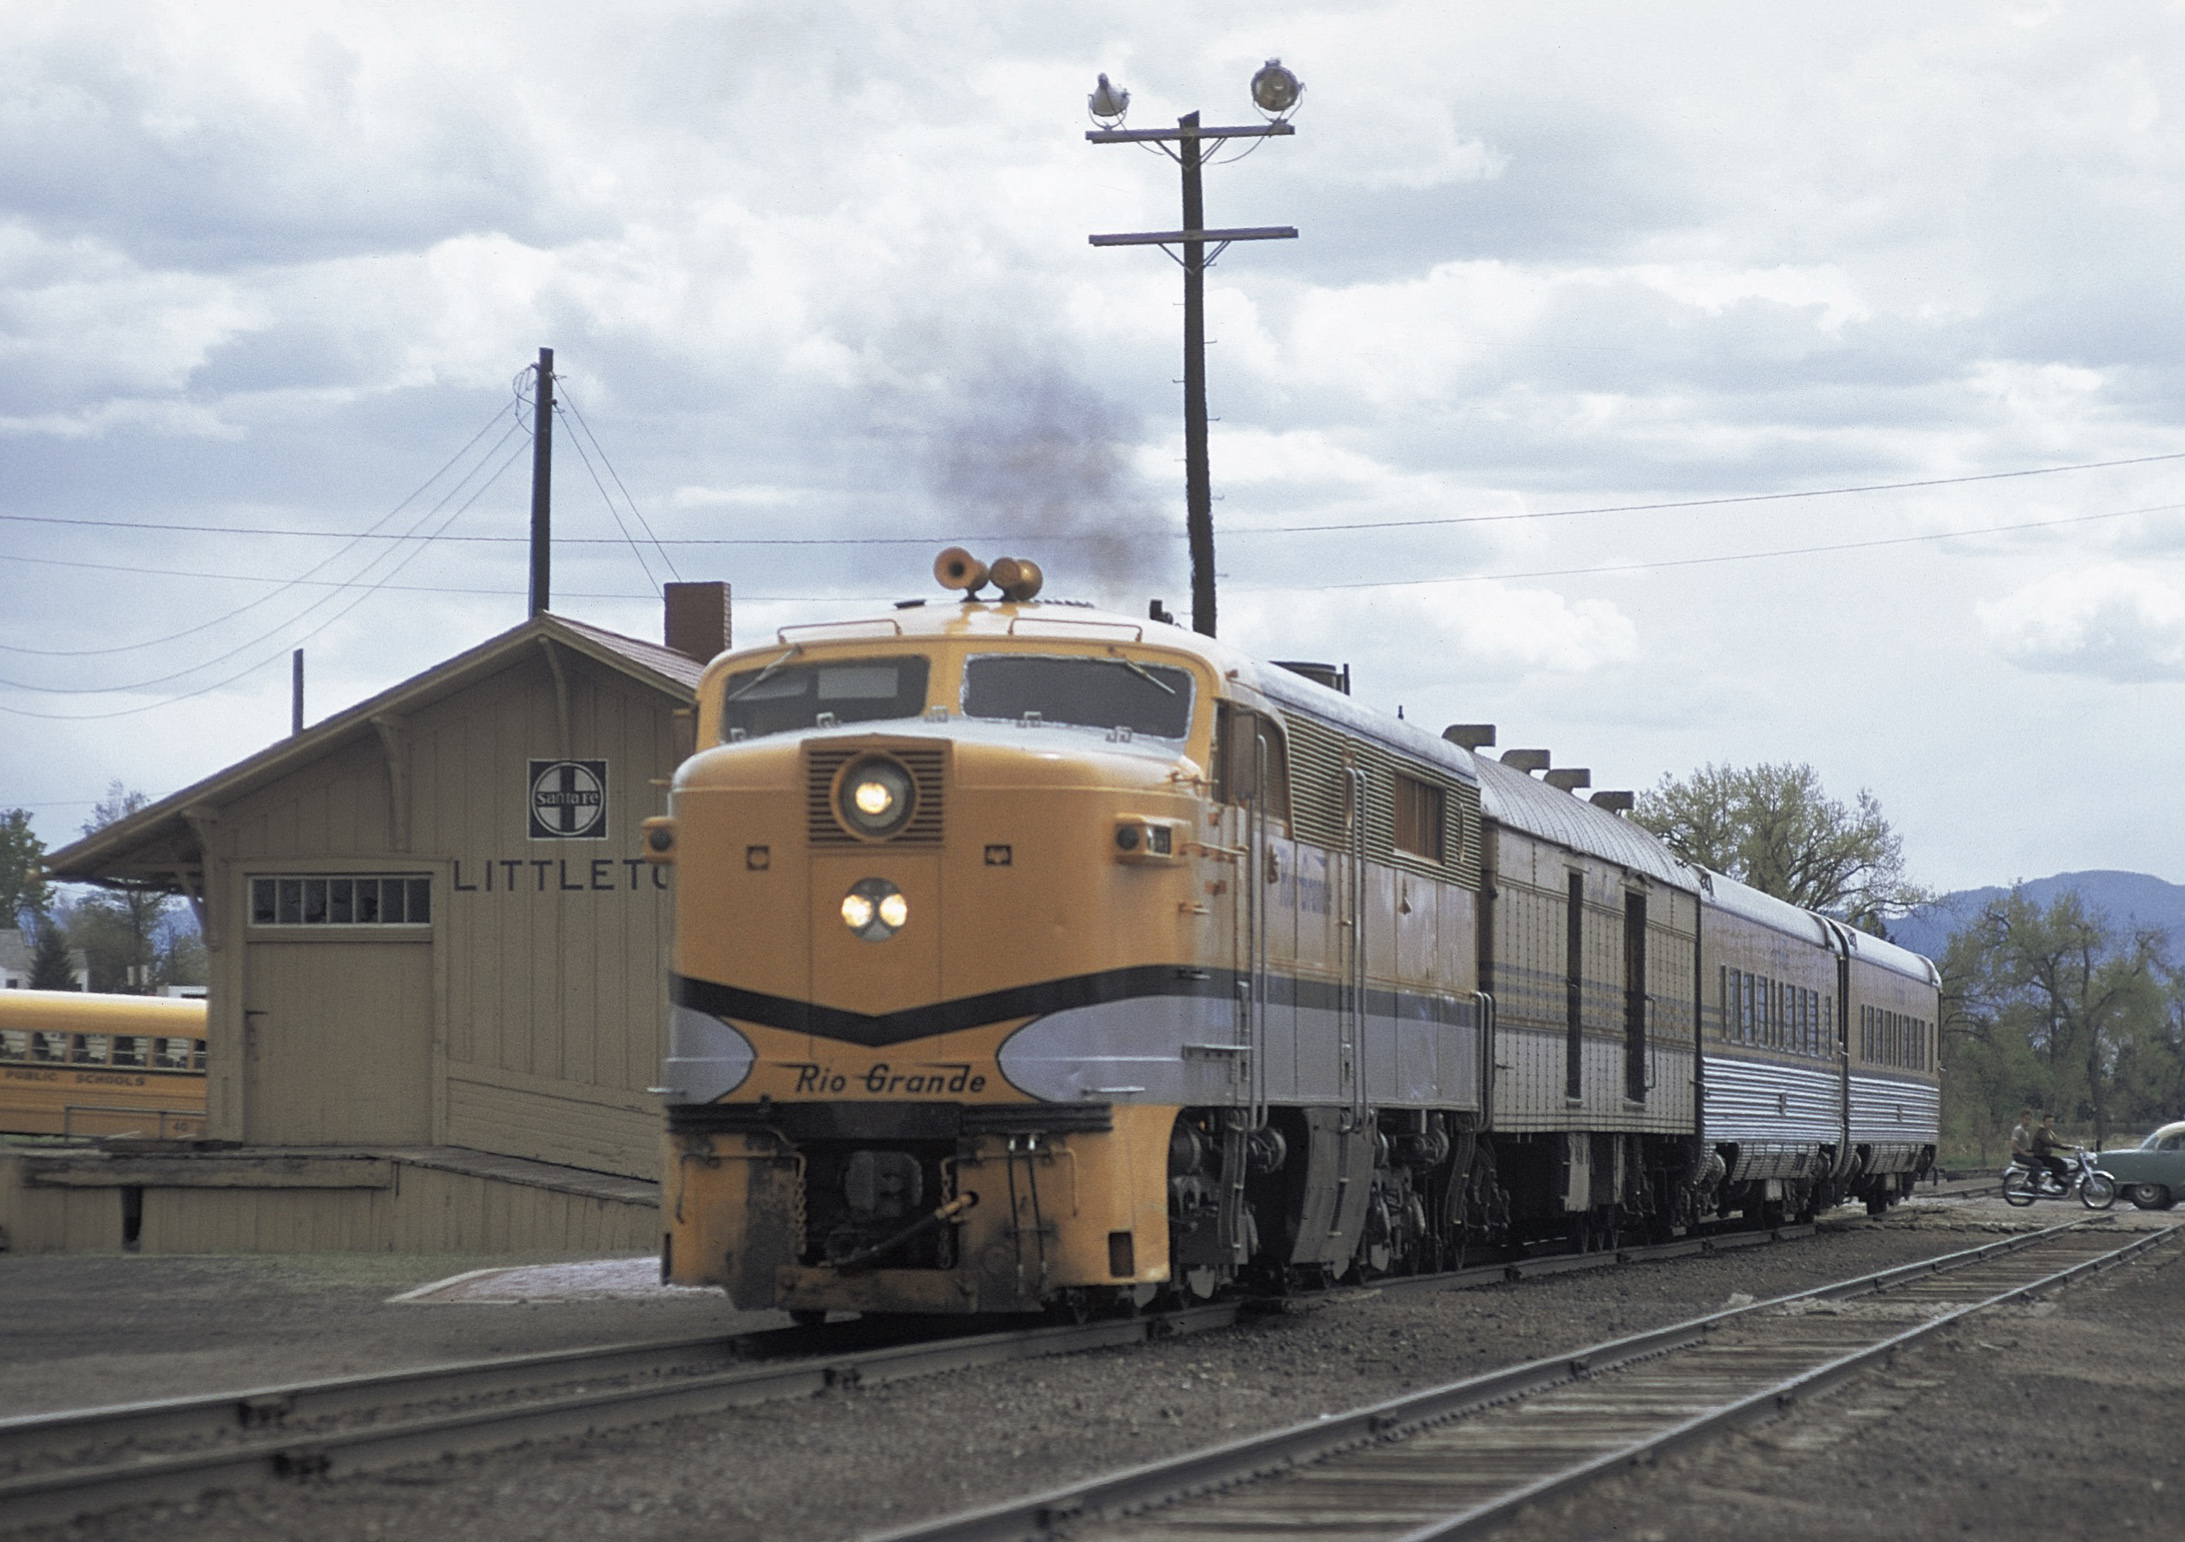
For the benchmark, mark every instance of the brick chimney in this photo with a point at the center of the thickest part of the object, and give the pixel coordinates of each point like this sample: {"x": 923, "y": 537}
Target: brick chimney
{"x": 698, "y": 620}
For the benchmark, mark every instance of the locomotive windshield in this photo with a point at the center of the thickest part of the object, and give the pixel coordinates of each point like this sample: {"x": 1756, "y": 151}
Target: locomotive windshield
{"x": 1151, "y": 699}
{"x": 788, "y": 698}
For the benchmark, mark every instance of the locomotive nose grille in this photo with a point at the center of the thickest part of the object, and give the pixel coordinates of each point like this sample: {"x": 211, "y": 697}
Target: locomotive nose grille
{"x": 924, "y": 762}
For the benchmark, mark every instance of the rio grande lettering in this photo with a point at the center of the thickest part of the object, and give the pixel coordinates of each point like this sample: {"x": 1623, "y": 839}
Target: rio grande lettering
{"x": 883, "y": 1079}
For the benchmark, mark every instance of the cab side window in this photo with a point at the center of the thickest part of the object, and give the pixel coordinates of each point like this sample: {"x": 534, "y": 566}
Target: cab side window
{"x": 1245, "y": 740}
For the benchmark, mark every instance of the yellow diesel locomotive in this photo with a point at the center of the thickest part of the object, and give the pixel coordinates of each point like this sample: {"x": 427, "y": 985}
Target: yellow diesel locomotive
{"x": 1032, "y": 957}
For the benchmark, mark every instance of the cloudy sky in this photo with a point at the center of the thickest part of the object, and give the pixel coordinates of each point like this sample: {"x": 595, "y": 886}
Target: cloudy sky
{"x": 817, "y": 279}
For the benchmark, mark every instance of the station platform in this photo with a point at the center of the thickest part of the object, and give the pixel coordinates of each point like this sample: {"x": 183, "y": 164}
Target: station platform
{"x": 81, "y": 1330}
{"x": 175, "y": 1197}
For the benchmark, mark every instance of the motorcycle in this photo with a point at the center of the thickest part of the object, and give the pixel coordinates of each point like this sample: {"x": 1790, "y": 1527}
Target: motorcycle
{"x": 2025, "y": 1181}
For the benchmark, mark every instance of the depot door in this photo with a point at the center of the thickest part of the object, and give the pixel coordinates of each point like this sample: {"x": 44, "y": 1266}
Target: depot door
{"x": 338, "y": 1043}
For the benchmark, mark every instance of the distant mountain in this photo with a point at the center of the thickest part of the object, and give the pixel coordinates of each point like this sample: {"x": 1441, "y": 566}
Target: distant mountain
{"x": 2129, "y": 899}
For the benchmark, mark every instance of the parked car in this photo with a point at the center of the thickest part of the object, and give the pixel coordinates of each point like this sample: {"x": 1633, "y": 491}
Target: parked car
{"x": 2152, "y": 1174}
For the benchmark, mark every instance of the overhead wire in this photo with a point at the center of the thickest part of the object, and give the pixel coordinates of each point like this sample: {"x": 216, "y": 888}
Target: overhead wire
{"x": 339, "y": 583}
{"x": 302, "y": 579}
{"x": 1693, "y": 562}
{"x": 628, "y": 539}
{"x": 1454, "y": 578}
{"x": 1233, "y": 530}
{"x": 1699, "y": 503}
{"x": 278, "y": 627}
{"x": 405, "y": 559}
{"x": 635, "y": 512}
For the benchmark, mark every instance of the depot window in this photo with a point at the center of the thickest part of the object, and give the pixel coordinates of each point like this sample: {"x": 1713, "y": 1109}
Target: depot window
{"x": 342, "y": 899}
{"x": 1116, "y": 694}
{"x": 792, "y": 698}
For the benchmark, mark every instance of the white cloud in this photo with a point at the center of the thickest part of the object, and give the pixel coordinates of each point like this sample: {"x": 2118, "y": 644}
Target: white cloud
{"x": 820, "y": 269}
{"x": 2113, "y": 622}
{"x": 1476, "y": 634}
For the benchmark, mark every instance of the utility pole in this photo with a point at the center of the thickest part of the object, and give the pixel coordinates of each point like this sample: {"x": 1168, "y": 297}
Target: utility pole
{"x": 295, "y": 693}
{"x": 1198, "y": 476}
{"x": 1277, "y": 93}
{"x": 542, "y": 485}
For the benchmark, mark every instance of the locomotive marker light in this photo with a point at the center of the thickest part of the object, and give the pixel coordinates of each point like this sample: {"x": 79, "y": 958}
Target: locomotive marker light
{"x": 877, "y": 798}
{"x": 875, "y": 909}
{"x": 1146, "y": 840}
{"x": 1277, "y": 93}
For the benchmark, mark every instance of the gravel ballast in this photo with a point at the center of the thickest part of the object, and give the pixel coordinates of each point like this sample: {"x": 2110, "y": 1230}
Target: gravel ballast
{"x": 857, "y": 1461}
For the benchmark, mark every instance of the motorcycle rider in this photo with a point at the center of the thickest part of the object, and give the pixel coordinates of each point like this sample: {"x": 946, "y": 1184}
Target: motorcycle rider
{"x": 2045, "y": 1147}
{"x": 2022, "y": 1138}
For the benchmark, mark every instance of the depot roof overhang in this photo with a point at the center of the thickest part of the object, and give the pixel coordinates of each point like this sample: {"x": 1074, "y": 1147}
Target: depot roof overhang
{"x": 157, "y": 846}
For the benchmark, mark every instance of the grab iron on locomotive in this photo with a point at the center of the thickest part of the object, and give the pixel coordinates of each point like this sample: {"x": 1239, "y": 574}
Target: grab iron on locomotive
{"x": 1033, "y": 957}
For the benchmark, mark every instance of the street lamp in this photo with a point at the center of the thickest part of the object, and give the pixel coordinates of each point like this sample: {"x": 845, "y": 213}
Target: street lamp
{"x": 1276, "y": 93}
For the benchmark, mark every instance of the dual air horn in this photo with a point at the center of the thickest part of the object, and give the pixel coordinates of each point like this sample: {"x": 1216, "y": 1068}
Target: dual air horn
{"x": 1018, "y": 578}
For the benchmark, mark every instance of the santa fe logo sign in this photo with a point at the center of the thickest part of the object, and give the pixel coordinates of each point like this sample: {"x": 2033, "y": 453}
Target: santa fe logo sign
{"x": 568, "y": 800}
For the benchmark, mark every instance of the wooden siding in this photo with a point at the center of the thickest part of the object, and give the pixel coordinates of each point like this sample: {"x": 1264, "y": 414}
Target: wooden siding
{"x": 565, "y": 978}
{"x": 491, "y": 1110}
{"x": 546, "y": 993}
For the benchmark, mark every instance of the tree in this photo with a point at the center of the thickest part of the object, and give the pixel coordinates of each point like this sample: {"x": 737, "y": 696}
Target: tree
{"x": 24, "y": 895}
{"x": 51, "y": 967}
{"x": 119, "y": 929}
{"x": 1773, "y": 827}
{"x": 2056, "y": 1007}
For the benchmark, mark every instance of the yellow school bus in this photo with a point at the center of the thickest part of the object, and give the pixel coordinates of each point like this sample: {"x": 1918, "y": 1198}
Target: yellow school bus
{"x": 74, "y": 1063}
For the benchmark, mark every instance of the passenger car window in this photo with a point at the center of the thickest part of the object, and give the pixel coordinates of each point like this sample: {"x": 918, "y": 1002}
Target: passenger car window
{"x": 1419, "y": 817}
{"x": 1082, "y": 692}
{"x": 793, "y": 697}
{"x": 2172, "y": 1143}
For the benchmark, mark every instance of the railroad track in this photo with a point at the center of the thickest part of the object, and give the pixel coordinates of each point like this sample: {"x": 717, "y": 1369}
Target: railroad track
{"x": 1457, "y": 1459}
{"x": 55, "y": 1467}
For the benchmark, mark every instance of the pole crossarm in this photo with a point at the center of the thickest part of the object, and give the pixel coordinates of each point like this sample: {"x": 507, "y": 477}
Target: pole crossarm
{"x": 1172, "y": 237}
{"x": 1194, "y": 249}
{"x": 1144, "y": 136}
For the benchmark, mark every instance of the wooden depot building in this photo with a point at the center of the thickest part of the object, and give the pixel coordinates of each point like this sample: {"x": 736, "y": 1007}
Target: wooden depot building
{"x": 438, "y": 966}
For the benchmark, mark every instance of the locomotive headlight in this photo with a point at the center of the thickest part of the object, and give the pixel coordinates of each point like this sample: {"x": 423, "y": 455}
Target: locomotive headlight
{"x": 875, "y": 909}
{"x": 876, "y": 797}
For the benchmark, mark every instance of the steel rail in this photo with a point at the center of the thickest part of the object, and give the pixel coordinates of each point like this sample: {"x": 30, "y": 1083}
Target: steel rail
{"x": 1771, "y": 1401}
{"x": 1109, "y": 1498}
{"x": 55, "y": 1466}
{"x": 249, "y": 1444}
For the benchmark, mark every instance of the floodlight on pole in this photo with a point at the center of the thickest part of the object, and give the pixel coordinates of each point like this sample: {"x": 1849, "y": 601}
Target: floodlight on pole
{"x": 1108, "y": 104}
{"x": 1276, "y": 92}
